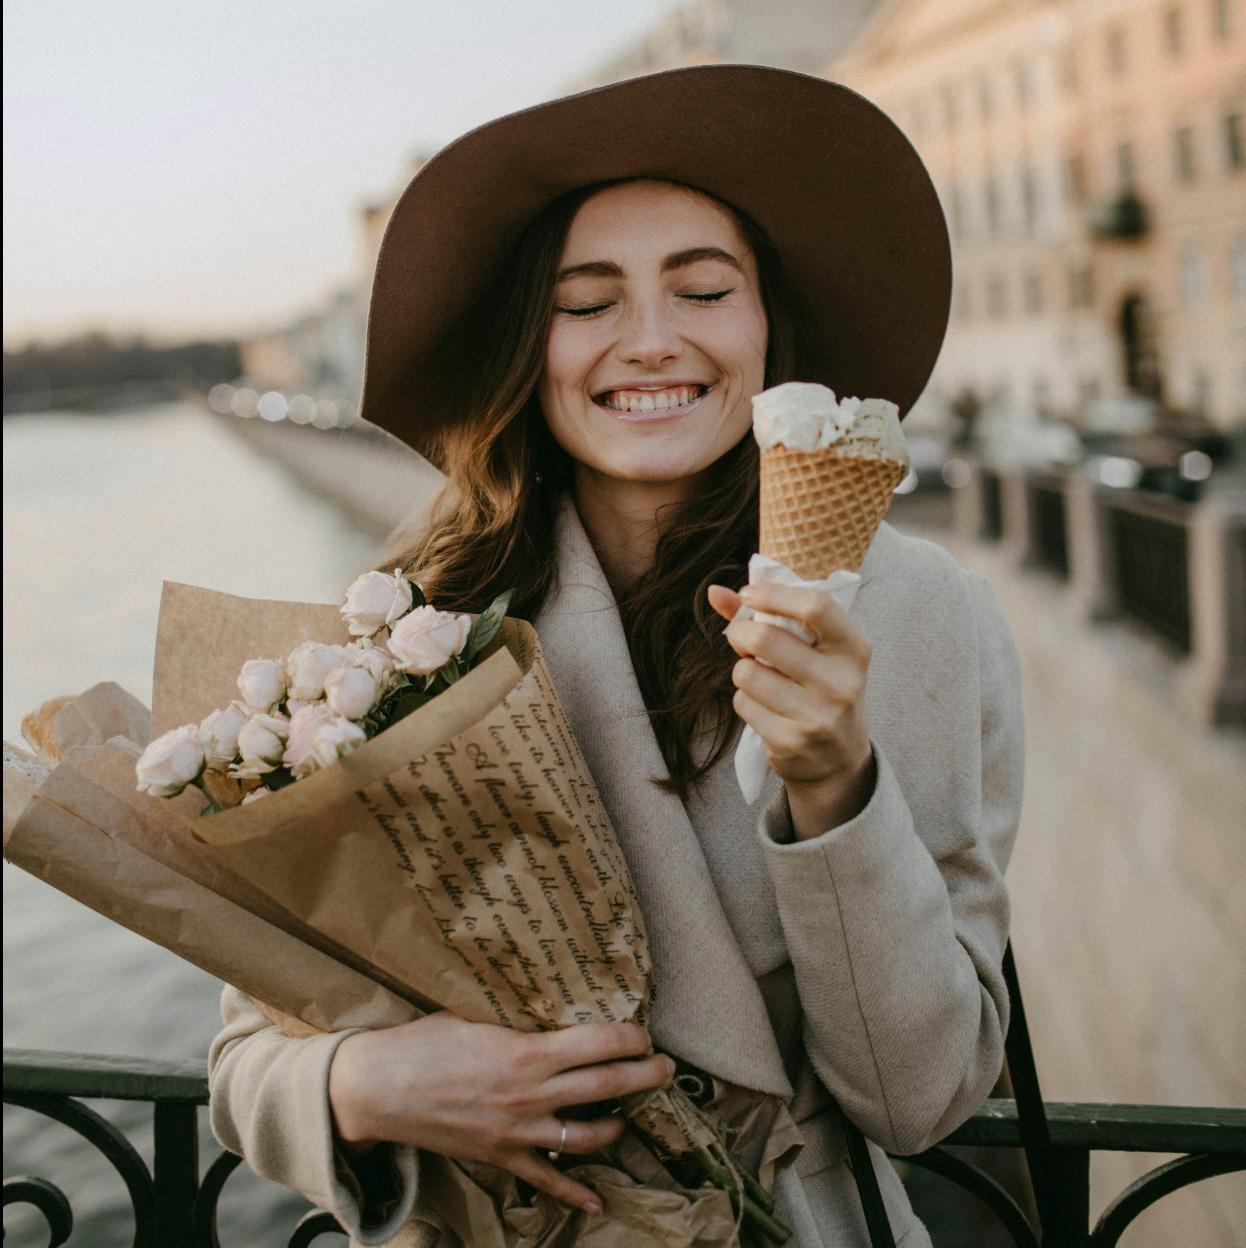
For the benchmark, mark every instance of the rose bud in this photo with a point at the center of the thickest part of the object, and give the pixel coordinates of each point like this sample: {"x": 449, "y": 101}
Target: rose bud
{"x": 351, "y": 691}
{"x": 427, "y": 639}
{"x": 262, "y": 683}
{"x": 372, "y": 658}
{"x": 375, "y": 601}
{"x": 219, "y": 732}
{"x": 304, "y": 725}
{"x": 307, "y": 667}
{"x": 261, "y": 743}
{"x": 170, "y": 762}
{"x": 335, "y": 739}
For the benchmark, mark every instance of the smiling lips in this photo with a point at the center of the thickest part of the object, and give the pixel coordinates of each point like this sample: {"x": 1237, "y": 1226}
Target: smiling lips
{"x": 652, "y": 399}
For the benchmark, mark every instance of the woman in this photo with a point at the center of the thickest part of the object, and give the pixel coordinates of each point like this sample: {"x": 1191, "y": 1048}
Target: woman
{"x": 572, "y": 310}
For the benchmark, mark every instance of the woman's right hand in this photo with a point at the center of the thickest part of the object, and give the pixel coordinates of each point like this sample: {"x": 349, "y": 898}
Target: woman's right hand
{"x": 479, "y": 1092}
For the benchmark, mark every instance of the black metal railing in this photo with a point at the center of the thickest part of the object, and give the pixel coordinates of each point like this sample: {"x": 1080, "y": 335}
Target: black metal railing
{"x": 992, "y": 505}
{"x": 173, "y": 1204}
{"x": 1051, "y": 540}
{"x": 1150, "y": 554}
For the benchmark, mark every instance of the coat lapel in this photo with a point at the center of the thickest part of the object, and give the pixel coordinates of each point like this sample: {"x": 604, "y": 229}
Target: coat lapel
{"x": 707, "y": 1008}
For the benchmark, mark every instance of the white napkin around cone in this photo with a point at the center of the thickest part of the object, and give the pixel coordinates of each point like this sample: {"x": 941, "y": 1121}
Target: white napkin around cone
{"x": 750, "y": 755}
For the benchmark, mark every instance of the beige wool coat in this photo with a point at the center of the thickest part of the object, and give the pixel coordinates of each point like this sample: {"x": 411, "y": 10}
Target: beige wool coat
{"x": 864, "y": 963}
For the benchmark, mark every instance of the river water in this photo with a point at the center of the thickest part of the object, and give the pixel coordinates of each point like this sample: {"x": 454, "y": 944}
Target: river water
{"x": 98, "y": 510}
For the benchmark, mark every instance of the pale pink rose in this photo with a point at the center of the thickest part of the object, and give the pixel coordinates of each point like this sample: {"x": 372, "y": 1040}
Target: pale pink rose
{"x": 351, "y": 691}
{"x": 307, "y": 667}
{"x": 261, "y": 744}
{"x": 426, "y": 639}
{"x": 373, "y": 658}
{"x": 170, "y": 762}
{"x": 375, "y": 601}
{"x": 219, "y": 733}
{"x": 318, "y": 737}
{"x": 262, "y": 683}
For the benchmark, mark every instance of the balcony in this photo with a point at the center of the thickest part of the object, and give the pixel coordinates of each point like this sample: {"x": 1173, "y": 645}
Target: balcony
{"x": 1121, "y": 218}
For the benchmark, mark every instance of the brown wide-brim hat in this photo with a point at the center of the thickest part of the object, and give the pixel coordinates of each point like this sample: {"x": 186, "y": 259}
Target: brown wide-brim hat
{"x": 829, "y": 177}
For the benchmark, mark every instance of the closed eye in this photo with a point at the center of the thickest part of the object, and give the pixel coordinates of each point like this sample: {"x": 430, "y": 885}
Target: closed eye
{"x": 588, "y": 310}
{"x": 711, "y": 296}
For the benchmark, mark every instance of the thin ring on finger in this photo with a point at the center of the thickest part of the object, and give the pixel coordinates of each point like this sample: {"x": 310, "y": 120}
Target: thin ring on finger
{"x": 562, "y": 1142}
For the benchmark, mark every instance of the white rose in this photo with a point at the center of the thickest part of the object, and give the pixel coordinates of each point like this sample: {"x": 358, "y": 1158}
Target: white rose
{"x": 170, "y": 762}
{"x": 318, "y": 737}
{"x": 307, "y": 667}
{"x": 261, "y": 743}
{"x": 374, "y": 659}
{"x": 351, "y": 691}
{"x": 219, "y": 733}
{"x": 426, "y": 639}
{"x": 262, "y": 683}
{"x": 376, "y": 600}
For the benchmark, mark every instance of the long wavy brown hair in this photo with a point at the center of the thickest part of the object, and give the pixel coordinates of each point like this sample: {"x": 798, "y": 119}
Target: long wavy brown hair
{"x": 493, "y": 524}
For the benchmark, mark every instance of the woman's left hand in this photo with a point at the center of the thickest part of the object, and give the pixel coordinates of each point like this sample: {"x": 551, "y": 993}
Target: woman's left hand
{"x": 806, "y": 702}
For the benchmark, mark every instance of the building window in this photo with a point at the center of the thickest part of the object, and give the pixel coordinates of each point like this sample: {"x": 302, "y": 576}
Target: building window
{"x": 1222, "y": 18}
{"x": 1193, "y": 275}
{"x": 947, "y": 96}
{"x": 1033, "y": 292}
{"x": 1237, "y": 268}
{"x": 1081, "y": 286}
{"x": 1029, "y": 199}
{"x": 986, "y": 99}
{"x": 1174, "y": 31}
{"x": 1183, "y": 153}
{"x": 996, "y": 296}
{"x": 991, "y": 205}
{"x": 1116, "y": 49}
{"x": 1023, "y": 72}
{"x": 1075, "y": 177}
{"x": 1125, "y": 166}
{"x": 1234, "y": 141}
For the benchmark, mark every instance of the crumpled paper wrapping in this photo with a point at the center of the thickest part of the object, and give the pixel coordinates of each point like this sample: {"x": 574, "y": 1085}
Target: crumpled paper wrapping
{"x": 462, "y": 859}
{"x": 750, "y": 754}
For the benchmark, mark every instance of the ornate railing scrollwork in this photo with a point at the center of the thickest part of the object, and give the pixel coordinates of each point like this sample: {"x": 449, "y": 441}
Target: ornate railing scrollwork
{"x": 174, "y": 1205}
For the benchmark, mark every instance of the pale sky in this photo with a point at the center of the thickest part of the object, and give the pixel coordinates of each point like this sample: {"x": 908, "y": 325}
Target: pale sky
{"x": 182, "y": 168}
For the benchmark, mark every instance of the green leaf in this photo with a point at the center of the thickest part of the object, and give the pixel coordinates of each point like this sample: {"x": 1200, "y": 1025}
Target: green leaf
{"x": 486, "y": 626}
{"x": 400, "y": 708}
{"x": 278, "y": 778}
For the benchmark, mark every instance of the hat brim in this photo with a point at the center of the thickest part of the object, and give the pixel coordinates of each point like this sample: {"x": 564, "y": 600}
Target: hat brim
{"x": 832, "y": 180}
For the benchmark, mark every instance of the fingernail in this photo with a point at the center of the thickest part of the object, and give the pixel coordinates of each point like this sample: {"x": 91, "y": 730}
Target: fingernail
{"x": 671, "y": 1068}
{"x": 593, "y": 1207}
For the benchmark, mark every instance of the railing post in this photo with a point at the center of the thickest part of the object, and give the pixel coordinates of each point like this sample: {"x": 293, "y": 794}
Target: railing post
{"x": 1092, "y": 582}
{"x": 175, "y": 1170}
{"x": 1018, "y": 522}
{"x": 1214, "y": 685}
{"x": 1071, "y": 1167}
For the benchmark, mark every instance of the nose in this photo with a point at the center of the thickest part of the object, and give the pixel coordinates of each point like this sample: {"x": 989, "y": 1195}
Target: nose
{"x": 648, "y": 335}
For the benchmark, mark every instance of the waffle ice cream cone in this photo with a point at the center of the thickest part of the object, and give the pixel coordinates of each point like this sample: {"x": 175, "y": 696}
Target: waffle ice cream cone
{"x": 828, "y": 471}
{"x": 820, "y": 509}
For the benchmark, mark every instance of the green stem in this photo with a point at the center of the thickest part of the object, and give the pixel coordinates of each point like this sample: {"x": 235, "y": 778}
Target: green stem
{"x": 754, "y": 1216}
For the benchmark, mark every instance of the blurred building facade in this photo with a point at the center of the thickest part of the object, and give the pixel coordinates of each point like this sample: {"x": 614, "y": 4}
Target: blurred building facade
{"x": 1091, "y": 159}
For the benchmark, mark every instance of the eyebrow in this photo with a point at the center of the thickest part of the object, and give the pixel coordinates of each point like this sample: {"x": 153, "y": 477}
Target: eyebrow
{"x": 677, "y": 260}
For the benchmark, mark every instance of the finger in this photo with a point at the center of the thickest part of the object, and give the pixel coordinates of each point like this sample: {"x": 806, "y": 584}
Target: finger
{"x": 537, "y": 1171}
{"x": 778, "y": 733}
{"x": 776, "y": 691}
{"x": 586, "y": 1044}
{"x": 830, "y": 624}
{"x": 588, "y": 1084}
{"x": 775, "y": 646}
{"x": 584, "y": 1135}
{"x": 725, "y": 601}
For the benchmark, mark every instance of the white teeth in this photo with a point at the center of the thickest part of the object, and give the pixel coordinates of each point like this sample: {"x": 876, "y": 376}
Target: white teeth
{"x": 662, "y": 400}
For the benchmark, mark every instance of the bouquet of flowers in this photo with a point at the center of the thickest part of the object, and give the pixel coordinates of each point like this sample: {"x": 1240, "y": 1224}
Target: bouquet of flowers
{"x": 384, "y": 823}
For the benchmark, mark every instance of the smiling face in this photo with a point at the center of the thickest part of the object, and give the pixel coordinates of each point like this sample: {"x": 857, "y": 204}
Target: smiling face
{"x": 658, "y": 338}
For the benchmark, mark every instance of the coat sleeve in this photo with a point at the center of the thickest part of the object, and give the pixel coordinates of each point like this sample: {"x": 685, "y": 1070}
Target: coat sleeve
{"x": 897, "y": 941}
{"x": 269, "y": 1103}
